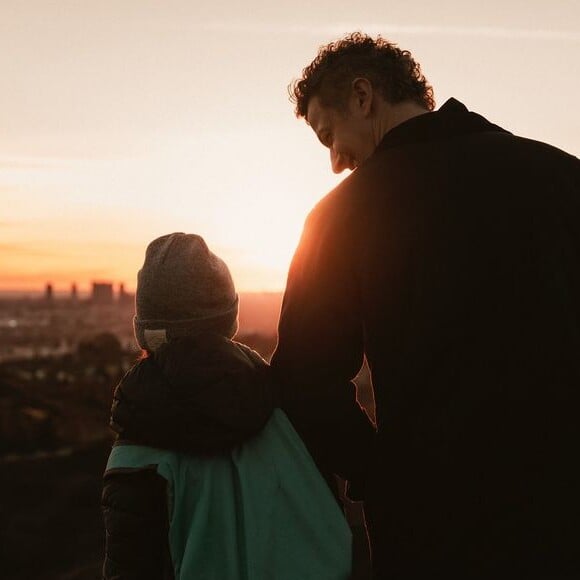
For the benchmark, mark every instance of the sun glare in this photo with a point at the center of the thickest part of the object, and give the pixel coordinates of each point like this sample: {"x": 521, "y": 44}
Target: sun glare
{"x": 258, "y": 243}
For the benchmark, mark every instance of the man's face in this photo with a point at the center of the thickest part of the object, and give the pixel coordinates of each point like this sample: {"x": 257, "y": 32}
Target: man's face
{"x": 347, "y": 134}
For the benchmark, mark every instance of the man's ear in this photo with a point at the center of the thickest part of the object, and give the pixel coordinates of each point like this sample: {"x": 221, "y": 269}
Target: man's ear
{"x": 362, "y": 95}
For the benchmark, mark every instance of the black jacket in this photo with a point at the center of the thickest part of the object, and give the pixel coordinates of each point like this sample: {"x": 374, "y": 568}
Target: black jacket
{"x": 203, "y": 396}
{"x": 451, "y": 259}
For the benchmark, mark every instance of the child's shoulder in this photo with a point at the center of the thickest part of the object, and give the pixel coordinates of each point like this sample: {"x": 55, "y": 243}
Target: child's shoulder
{"x": 250, "y": 354}
{"x": 214, "y": 350}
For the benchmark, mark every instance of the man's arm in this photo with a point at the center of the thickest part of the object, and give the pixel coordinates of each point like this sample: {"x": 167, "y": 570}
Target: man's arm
{"x": 320, "y": 347}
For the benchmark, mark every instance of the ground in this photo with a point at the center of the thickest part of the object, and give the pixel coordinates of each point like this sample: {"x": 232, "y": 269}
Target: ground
{"x": 51, "y": 525}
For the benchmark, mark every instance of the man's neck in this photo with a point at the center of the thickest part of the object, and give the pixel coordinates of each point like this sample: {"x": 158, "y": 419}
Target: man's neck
{"x": 389, "y": 116}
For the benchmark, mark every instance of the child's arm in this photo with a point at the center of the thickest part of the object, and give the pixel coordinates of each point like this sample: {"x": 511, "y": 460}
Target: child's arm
{"x": 136, "y": 522}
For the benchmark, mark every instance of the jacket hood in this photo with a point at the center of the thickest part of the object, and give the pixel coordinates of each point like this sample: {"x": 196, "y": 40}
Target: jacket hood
{"x": 201, "y": 395}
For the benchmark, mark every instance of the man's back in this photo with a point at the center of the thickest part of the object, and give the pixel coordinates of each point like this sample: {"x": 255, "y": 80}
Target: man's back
{"x": 453, "y": 255}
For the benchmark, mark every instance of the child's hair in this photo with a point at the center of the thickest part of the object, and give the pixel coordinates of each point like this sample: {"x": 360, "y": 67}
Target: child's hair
{"x": 182, "y": 289}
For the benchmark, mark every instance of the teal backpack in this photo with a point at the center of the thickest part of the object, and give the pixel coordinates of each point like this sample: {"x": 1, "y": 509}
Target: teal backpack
{"x": 262, "y": 512}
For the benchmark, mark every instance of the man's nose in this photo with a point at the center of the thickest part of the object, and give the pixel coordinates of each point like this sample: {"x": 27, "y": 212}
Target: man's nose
{"x": 338, "y": 161}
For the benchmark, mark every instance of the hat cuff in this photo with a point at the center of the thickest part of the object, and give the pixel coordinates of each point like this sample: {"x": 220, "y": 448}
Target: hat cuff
{"x": 224, "y": 322}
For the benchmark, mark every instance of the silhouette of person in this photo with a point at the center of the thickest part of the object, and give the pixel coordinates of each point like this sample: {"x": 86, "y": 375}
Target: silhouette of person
{"x": 450, "y": 258}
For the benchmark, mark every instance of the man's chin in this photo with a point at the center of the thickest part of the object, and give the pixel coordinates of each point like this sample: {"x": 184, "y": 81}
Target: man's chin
{"x": 350, "y": 164}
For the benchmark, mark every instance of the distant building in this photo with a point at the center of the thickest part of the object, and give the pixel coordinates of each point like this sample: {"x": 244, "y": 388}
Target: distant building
{"x": 74, "y": 293}
{"x": 48, "y": 292}
{"x": 102, "y": 293}
{"x": 124, "y": 296}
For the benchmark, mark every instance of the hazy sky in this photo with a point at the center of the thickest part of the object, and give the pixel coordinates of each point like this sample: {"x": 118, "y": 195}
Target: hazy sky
{"x": 124, "y": 120}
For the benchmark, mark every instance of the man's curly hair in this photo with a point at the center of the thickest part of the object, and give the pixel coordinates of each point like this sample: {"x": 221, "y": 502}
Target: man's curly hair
{"x": 392, "y": 72}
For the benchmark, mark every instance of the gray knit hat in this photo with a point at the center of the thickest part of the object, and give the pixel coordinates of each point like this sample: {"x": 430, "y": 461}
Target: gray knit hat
{"x": 182, "y": 289}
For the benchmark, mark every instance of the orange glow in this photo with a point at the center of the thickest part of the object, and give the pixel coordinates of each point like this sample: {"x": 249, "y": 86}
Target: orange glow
{"x": 152, "y": 120}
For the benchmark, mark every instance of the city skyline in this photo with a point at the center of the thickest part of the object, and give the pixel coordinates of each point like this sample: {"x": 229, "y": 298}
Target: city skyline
{"x": 120, "y": 122}
{"x": 84, "y": 290}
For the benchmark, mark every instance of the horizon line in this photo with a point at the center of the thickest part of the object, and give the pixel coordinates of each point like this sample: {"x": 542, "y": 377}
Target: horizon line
{"x": 59, "y": 292}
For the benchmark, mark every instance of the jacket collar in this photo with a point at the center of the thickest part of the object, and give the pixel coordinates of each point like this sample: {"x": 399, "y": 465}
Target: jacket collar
{"x": 453, "y": 119}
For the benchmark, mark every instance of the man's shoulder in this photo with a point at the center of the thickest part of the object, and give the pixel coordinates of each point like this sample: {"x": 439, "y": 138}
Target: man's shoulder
{"x": 547, "y": 151}
{"x": 342, "y": 200}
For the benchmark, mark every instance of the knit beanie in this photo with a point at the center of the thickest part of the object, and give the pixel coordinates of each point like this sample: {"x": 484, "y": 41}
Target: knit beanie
{"x": 182, "y": 289}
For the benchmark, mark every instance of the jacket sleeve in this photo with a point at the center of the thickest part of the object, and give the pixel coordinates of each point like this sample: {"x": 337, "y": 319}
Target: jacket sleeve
{"x": 135, "y": 513}
{"x": 320, "y": 348}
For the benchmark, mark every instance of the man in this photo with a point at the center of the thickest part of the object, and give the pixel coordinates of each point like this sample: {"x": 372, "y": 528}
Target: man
{"x": 450, "y": 258}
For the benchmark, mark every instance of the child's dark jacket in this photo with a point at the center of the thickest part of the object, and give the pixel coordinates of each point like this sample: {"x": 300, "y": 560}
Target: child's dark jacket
{"x": 200, "y": 396}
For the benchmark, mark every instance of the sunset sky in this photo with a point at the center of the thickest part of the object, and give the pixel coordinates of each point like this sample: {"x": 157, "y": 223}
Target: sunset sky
{"x": 122, "y": 120}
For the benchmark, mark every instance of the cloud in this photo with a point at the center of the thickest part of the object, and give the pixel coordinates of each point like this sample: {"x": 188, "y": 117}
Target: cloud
{"x": 20, "y": 165}
{"x": 27, "y": 162}
{"x": 24, "y": 250}
{"x": 62, "y": 249}
{"x": 339, "y": 29}
{"x": 18, "y": 279}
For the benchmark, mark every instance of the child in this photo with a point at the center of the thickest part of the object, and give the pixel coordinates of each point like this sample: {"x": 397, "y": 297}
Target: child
{"x": 180, "y": 498}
